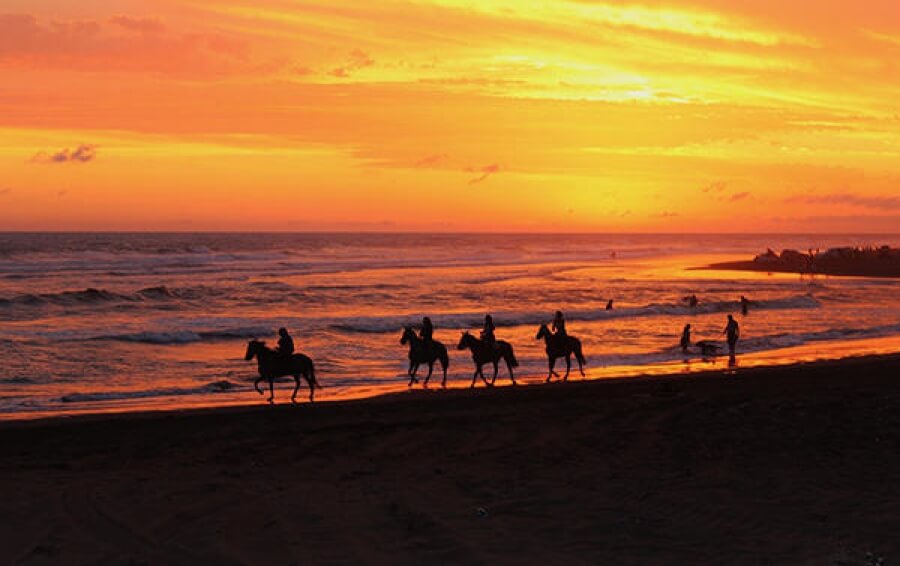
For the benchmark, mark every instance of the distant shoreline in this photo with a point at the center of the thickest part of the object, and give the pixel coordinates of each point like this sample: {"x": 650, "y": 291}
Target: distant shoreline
{"x": 749, "y": 265}
{"x": 869, "y": 261}
{"x": 436, "y": 394}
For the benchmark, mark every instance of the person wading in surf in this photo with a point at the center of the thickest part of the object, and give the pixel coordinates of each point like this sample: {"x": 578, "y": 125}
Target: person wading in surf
{"x": 732, "y": 333}
{"x": 686, "y": 338}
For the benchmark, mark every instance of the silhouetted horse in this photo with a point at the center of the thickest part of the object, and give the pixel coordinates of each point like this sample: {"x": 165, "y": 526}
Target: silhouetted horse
{"x": 272, "y": 365}
{"x": 482, "y": 354}
{"x": 557, "y": 348}
{"x": 420, "y": 353}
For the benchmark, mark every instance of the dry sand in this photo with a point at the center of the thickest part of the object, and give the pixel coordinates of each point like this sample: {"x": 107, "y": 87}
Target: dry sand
{"x": 797, "y": 465}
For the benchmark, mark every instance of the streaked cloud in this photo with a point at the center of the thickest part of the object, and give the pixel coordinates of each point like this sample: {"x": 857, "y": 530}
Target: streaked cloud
{"x": 874, "y": 202}
{"x": 483, "y": 172}
{"x": 81, "y": 154}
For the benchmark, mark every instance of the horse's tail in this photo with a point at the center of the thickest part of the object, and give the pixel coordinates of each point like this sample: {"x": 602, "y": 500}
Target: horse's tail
{"x": 579, "y": 355}
{"x": 312, "y": 375}
{"x": 511, "y": 357}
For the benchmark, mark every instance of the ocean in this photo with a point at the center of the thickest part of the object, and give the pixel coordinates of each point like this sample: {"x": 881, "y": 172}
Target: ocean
{"x": 133, "y": 321}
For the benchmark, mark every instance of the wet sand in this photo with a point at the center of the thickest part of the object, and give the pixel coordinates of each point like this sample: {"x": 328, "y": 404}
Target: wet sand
{"x": 789, "y": 465}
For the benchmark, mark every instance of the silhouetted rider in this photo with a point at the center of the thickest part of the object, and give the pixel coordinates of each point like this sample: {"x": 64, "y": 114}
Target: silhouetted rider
{"x": 285, "y": 343}
{"x": 487, "y": 333}
{"x": 559, "y": 327}
{"x": 427, "y": 333}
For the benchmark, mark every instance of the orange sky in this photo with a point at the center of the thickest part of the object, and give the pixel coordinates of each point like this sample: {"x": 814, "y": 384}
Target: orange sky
{"x": 582, "y": 115}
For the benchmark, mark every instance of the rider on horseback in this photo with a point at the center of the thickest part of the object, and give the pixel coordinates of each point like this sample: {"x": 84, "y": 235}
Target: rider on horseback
{"x": 559, "y": 328}
{"x": 285, "y": 344}
{"x": 427, "y": 334}
{"x": 487, "y": 334}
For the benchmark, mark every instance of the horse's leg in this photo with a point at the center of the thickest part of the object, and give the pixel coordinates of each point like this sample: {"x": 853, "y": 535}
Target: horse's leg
{"x": 272, "y": 390}
{"x": 430, "y": 371}
{"x": 551, "y": 362}
{"x": 568, "y": 366}
{"x": 256, "y": 385}
{"x": 512, "y": 376}
{"x": 580, "y": 356}
{"x": 312, "y": 388}
{"x": 296, "y": 388}
{"x": 496, "y": 371}
{"x": 475, "y": 375}
{"x": 479, "y": 372}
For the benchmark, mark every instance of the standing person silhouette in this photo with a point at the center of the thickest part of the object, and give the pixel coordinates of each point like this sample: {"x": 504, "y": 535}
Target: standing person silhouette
{"x": 487, "y": 334}
{"x": 427, "y": 333}
{"x": 285, "y": 343}
{"x": 732, "y": 333}
{"x": 609, "y": 305}
{"x": 745, "y": 305}
{"x": 686, "y": 338}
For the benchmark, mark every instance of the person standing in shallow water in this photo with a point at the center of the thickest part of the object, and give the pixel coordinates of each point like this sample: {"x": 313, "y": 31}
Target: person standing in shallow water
{"x": 686, "y": 338}
{"x": 285, "y": 343}
{"x": 745, "y": 305}
{"x": 732, "y": 333}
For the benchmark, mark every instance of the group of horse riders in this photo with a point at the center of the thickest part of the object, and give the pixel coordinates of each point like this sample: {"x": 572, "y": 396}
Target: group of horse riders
{"x": 486, "y": 349}
{"x": 423, "y": 349}
{"x": 426, "y": 333}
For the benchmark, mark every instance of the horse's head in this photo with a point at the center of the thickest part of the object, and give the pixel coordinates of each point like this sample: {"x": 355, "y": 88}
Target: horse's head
{"x": 408, "y": 334}
{"x": 253, "y": 348}
{"x": 543, "y": 331}
{"x": 464, "y": 341}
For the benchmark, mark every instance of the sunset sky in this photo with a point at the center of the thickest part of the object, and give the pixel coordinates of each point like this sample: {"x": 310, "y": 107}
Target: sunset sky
{"x": 582, "y": 115}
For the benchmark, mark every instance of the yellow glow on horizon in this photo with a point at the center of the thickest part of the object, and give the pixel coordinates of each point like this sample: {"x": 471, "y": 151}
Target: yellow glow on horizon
{"x": 569, "y": 115}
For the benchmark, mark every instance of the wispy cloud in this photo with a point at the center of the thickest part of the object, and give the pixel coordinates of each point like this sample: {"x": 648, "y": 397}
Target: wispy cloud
{"x": 739, "y": 196}
{"x": 358, "y": 59}
{"x": 715, "y": 187}
{"x": 81, "y": 154}
{"x": 432, "y": 160}
{"x": 139, "y": 25}
{"x": 484, "y": 172}
{"x": 874, "y": 202}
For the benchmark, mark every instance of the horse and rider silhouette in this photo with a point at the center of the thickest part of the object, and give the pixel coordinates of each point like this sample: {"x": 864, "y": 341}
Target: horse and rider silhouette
{"x": 424, "y": 351}
{"x": 488, "y": 352}
{"x": 279, "y": 363}
{"x": 560, "y": 345}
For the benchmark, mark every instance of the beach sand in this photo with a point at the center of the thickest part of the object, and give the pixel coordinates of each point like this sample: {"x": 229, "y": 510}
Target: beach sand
{"x": 792, "y": 465}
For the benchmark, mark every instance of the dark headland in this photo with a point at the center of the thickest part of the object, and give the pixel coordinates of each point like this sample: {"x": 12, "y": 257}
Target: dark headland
{"x": 881, "y": 261}
{"x": 789, "y": 465}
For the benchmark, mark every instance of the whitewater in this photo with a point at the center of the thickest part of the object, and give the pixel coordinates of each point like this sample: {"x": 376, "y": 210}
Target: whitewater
{"x": 114, "y": 321}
